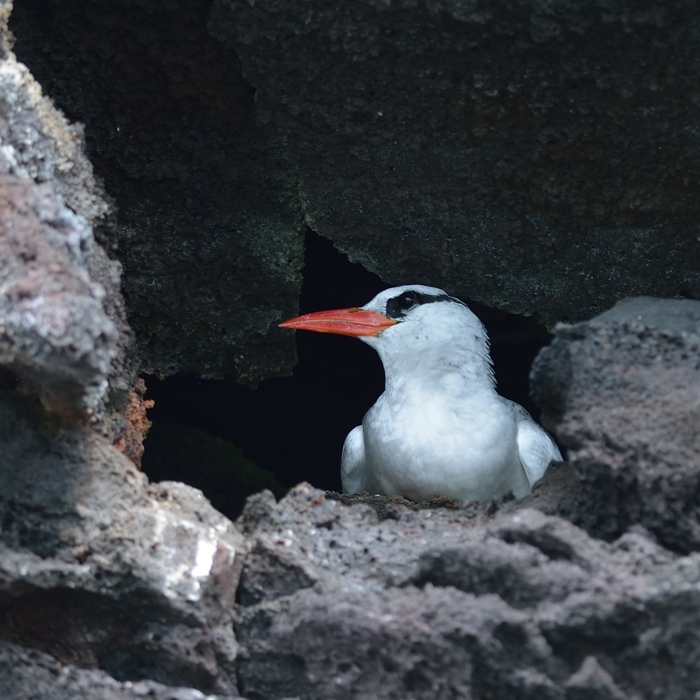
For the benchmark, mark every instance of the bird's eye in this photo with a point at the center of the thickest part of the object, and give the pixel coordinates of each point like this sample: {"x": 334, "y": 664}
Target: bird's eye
{"x": 397, "y": 306}
{"x": 407, "y": 301}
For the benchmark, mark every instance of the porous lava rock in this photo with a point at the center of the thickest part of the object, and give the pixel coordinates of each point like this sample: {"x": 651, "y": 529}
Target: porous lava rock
{"x": 26, "y": 674}
{"x": 102, "y": 570}
{"x": 622, "y": 393}
{"x": 64, "y": 337}
{"x": 63, "y": 330}
{"x": 102, "y": 575}
{"x": 537, "y": 157}
{"x": 210, "y": 228}
{"x": 588, "y": 588}
{"x": 55, "y": 333}
{"x": 335, "y": 602}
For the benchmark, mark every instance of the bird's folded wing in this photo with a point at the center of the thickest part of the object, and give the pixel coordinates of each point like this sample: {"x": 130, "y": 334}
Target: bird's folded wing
{"x": 535, "y": 447}
{"x": 353, "y": 471}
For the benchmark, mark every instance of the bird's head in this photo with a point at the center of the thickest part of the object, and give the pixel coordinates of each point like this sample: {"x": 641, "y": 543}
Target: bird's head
{"x": 408, "y": 323}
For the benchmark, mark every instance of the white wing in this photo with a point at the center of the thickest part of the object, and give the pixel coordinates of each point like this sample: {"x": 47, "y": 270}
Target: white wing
{"x": 353, "y": 472}
{"x": 536, "y": 448}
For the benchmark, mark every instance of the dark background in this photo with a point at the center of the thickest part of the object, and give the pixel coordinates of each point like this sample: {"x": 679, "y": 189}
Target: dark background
{"x": 295, "y": 426}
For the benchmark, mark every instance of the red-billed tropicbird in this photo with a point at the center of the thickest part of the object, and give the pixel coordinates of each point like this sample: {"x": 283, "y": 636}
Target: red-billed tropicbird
{"x": 440, "y": 427}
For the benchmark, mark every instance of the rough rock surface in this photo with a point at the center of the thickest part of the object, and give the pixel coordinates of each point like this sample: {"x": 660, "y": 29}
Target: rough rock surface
{"x": 28, "y": 674}
{"x": 63, "y": 330}
{"x": 102, "y": 570}
{"x": 38, "y": 142}
{"x": 622, "y": 393}
{"x": 334, "y": 603}
{"x": 210, "y": 228}
{"x": 589, "y": 588}
{"x": 55, "y": 333}
{"x": 110, "y": 576}
{"x": 485, "y": 145}
{"x": 536, "y": 157}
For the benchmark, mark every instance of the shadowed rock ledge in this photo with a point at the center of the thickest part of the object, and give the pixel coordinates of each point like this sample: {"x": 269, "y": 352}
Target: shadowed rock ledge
{"x": 98, "y": 569}
{"x": 101, "y": 569}
{"x": 540, "y": 158}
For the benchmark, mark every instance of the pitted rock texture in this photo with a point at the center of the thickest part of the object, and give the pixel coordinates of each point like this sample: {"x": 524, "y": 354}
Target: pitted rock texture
{"x": 26, "y": 675}
{"x": 536, "y": 157}
{"x": 622, "y": 393}
{"x": 55, "y": 333}
{"x": 102, "y": 570}
{"x": 210, "y": 229}
{"x": 39, "y": 143}
{"x": 105, "y": 573}
{"x": 63, "y": 329}
{"x": 335, "y": 603}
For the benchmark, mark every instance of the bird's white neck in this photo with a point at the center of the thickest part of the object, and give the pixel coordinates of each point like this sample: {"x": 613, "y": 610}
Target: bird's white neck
{"x": 441, "y": 344}
{"x": 461, "y": 369}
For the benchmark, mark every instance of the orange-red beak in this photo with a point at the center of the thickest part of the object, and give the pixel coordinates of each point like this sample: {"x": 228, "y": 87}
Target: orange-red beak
{"x": 354, "y": 321}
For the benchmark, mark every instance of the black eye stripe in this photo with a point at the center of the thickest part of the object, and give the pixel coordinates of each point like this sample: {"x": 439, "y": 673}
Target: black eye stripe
{"x": 397, "y": 307}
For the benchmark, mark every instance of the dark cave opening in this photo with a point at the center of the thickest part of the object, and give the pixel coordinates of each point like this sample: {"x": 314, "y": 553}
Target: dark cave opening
{"x": 294, "y": 427}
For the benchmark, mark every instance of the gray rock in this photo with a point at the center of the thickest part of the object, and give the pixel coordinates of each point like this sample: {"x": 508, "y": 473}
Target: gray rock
{"x": 335, "y": 603}
{"x": 55, "y": 333}
{"x": 26, "y": 674}
{"x": 622, "y": 393}
{"x": 521, "y": 155}
{"x": 108, "y": 575}
{"x": 530, "y": 156}
{"x": 63, "y": 329}
{"x": 101, "y": 569}
{"x": 434, "y": 141}
{"x": 210, "y": 229}
{"x": 592, "y": 682}
{"x": 38, "y": 143}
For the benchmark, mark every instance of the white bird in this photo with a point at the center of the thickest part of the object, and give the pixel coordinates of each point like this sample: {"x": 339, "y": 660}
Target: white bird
{"x": 440, "y": 427}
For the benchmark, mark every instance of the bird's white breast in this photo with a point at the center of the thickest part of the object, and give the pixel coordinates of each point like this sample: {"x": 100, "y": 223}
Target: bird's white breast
{"x": 444, "y": 441}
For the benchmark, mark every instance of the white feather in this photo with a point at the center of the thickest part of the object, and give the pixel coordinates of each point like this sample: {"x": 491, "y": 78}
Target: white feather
{"x": 536, "y": 448}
